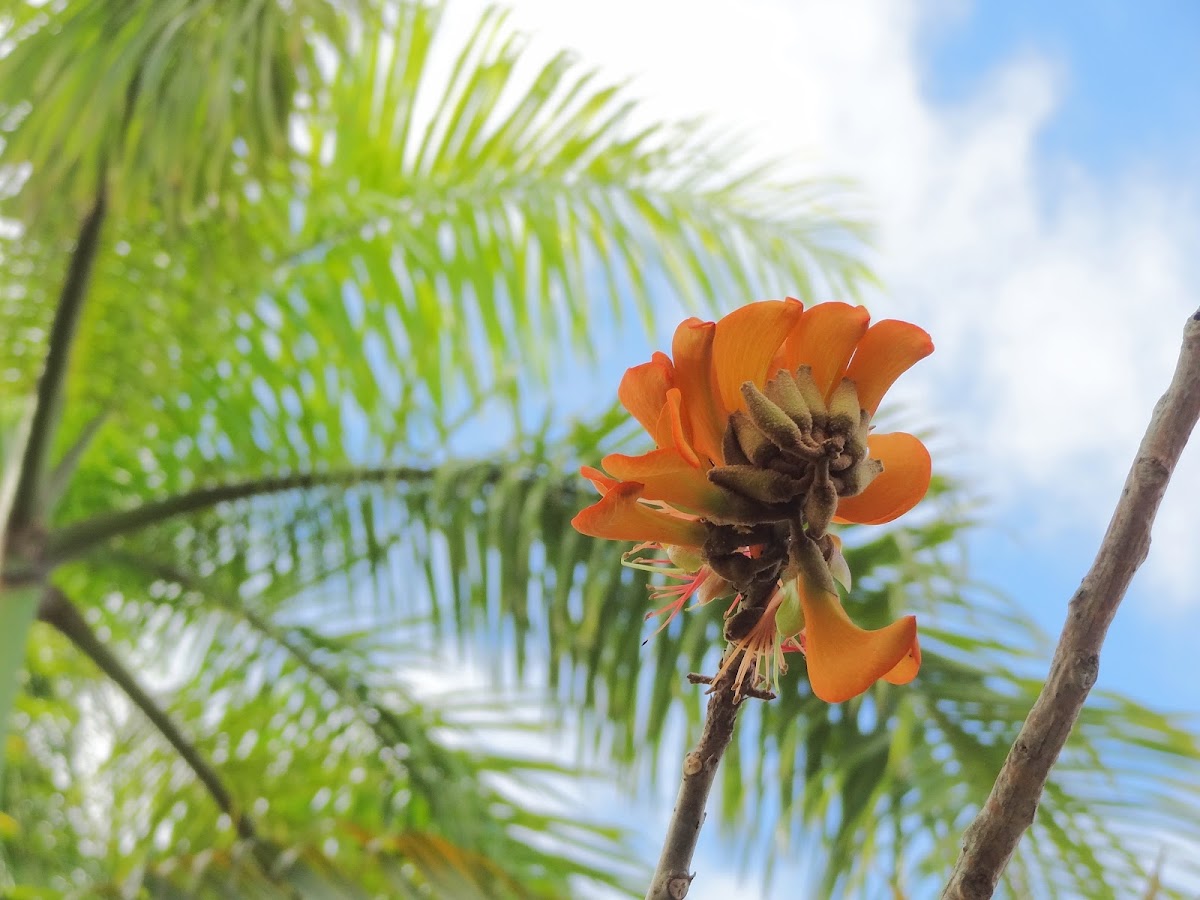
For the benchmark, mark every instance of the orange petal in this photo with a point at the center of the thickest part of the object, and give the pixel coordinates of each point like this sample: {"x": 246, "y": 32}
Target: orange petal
{"x": 670, "y": 430}
{"x": 692, "y": 352}
{"x": 825, "y": 338}
{"x": 745, "y": 343}
{"x": 599, "y": 480}
{"x": 618, "y": 516}
{"x": 887, "y": 351}
{"x": 843, "y": 659}
{"x": 669, "y": 477}
{"x": 643, "y": 389}
{"x": 906, "y": 670}
{"x": 904, "y": 481}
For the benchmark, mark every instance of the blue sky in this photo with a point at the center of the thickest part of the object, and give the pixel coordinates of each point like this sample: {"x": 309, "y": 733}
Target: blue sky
{"x": 1031, "y": 168}
{"x": 1128, "y": 107}
{"x": 1131, "y": 71}
{"x": 1036, "y": 144}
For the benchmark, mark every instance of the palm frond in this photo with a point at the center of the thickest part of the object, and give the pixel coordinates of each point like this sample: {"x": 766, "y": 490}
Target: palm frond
{"x": 847, "y": 785}
{"x": 356, "y": 781}
{"x": 345, "y": 308}
{"x": 315, "y": 266}
{"x": 171, "y": 101}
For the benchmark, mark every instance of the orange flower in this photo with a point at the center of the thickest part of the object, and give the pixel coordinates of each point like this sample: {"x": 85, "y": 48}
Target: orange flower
{"x": 763, "y": 418}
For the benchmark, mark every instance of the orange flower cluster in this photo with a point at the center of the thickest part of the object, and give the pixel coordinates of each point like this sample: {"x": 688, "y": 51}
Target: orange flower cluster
{"x": 762, "y": 421}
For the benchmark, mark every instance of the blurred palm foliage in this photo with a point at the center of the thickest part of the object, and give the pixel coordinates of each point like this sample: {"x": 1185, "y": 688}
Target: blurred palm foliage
{"x": 273, "y": 274}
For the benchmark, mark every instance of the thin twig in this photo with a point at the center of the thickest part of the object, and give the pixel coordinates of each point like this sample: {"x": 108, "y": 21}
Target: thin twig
{"x": 57, "y": 610}
{"x": 755, "y": 693}
{"x": 50, "y": 385}
{"x": 673, "y": 877}
{"x": 991, "y": 839}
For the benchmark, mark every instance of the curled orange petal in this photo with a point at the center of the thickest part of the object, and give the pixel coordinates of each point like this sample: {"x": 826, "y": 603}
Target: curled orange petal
{"x": 845, "y": 660}
{"x": 668, "y": 476}
{"x": 886, "y": 351}
{"x": 904, "y": 481}
{"x": 691, "y": 350}
{"x": 619, "y": 516}
{"x": 744, "y": 344}
{"x": 905, "y": 670}
{"x": 824, "y": 339}
{"x": 671, "y": 430}
{"x": 643, "y": 389}
{"x": 601, "y": 482}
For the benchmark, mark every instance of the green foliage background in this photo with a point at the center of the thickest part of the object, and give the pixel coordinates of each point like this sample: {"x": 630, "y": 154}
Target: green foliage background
{"x": 326, "y": 248}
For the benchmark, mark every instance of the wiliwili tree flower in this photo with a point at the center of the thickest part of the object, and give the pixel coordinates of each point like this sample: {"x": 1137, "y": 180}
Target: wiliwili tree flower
{"x": 762, "y": 426}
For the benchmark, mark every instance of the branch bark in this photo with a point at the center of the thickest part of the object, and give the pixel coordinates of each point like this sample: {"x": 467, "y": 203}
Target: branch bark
{"x": 990, "y": 840}
{"x": 57, "y": 610}
{"x": 50, "y": 385}
{"x": 672, "y": 879}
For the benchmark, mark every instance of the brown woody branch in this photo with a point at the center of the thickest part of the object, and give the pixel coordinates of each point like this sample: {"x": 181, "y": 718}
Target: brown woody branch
{"x": 990, "y": 840}
{"x": 673, "y": 877}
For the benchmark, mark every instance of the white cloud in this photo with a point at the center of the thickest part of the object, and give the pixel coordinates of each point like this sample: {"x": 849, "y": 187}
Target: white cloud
{"x": 1056, "y": 302}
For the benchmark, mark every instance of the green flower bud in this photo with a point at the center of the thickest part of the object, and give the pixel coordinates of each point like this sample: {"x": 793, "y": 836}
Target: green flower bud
{"x": 855, "y": 480}
{"x": 772, "y": 421}
{"x": 820, "y": 503}
{"x": 783, "y": 392}
{"x": 813, "y": 401}
{"x": 844, "y": 411}
{"x": 763, "y": 485}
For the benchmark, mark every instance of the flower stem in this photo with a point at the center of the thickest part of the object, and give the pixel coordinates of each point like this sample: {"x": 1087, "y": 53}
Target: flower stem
{"x": 673, "y": 878}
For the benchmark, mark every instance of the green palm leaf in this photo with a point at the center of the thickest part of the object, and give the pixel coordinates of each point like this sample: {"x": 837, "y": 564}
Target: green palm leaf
{"x": 171, "y": 101}
{"x": 418, "y": 258}
{"x": 311, "y": 283}
{"x": 846, "y": 786}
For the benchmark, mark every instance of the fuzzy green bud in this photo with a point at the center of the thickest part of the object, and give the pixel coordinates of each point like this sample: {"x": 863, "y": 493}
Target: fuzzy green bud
{"x": 763, "y": 485}
{"x": 805, "y": 554}
{"x": 855, "y": 480}
{"x": 820, "y": 503}
{"x": 772, "y": 421}
{"x": 844, "y": 411}
{"x": 756, "y": 446}
{"x": 783, "y": 392}
{"x": 813, "y": 401}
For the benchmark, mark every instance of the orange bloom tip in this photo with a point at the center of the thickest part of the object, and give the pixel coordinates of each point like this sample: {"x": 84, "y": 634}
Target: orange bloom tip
{"x": 599, "y": 480}
{"x": 887, "y": 350}
{"x": 621, "y": 516}
{"x": 691, "y": 349}
{"x": 670, "y": 477}
{"x": 907, "y": 470}
{"x": 643, "y": 389}
{"x": 905, "y": 670}
{"x": 670, "y": 430}
{"x": 845, "y": 660}
{"x": 745, "y": 343}
{"x": 824, "y": 339}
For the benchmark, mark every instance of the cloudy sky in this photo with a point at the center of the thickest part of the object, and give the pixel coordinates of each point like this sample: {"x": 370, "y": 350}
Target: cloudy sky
{"x": 1031, "y": 168}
